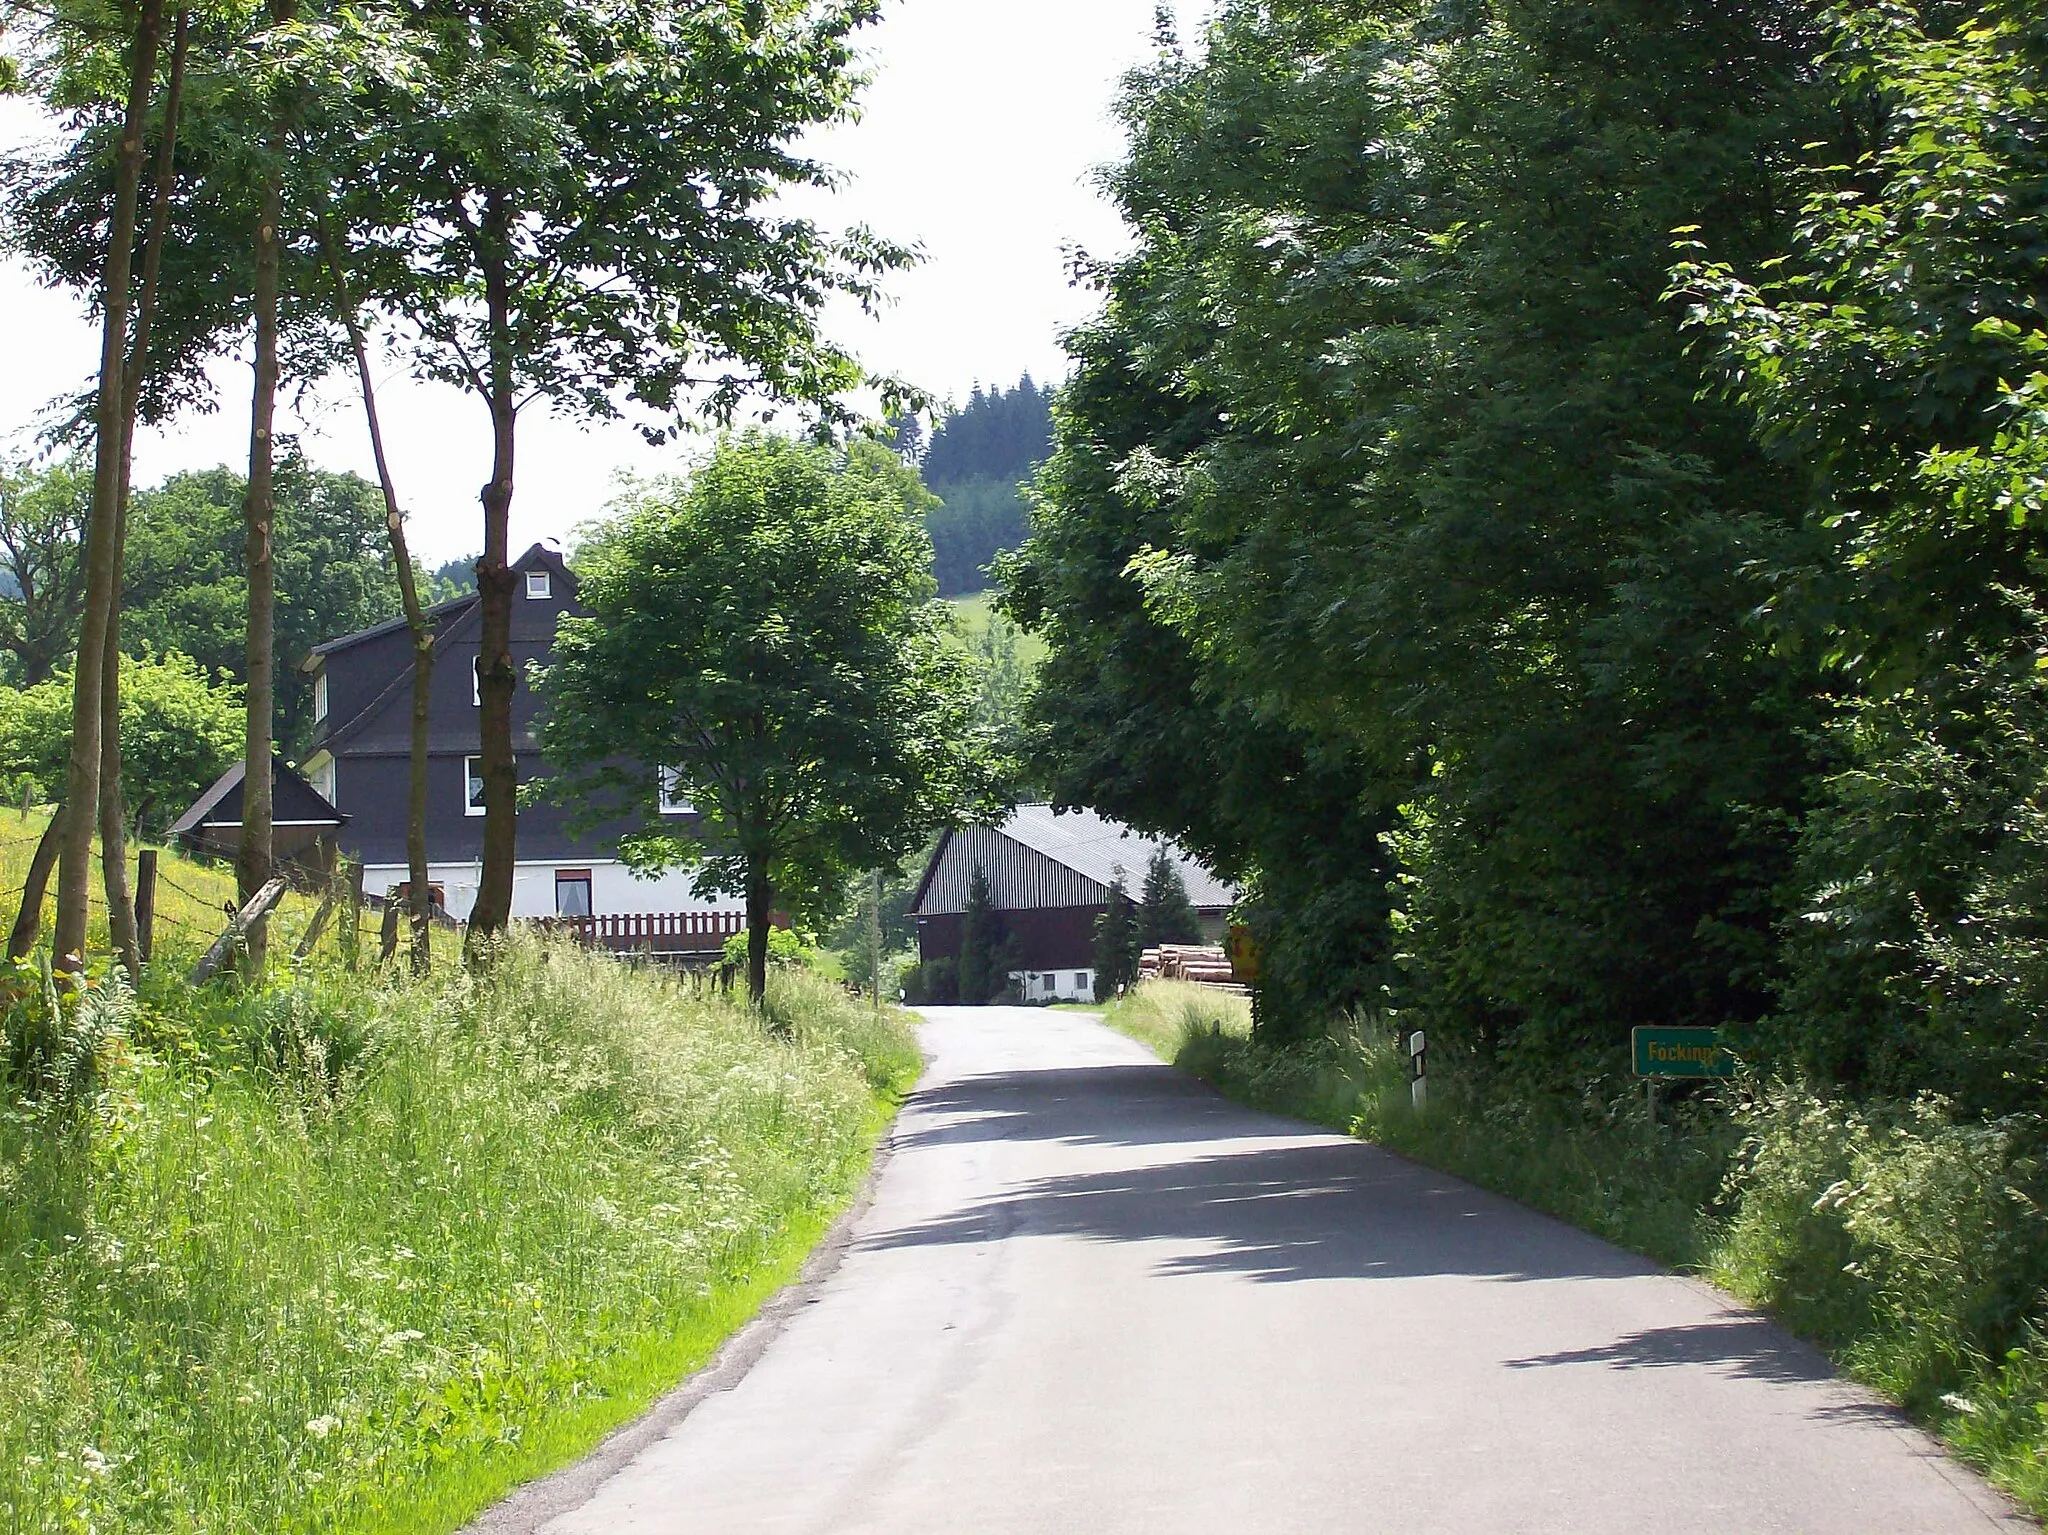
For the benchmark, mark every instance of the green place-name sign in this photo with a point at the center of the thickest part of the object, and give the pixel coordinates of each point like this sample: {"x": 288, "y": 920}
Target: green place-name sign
{"x": 1682, "y": 1053}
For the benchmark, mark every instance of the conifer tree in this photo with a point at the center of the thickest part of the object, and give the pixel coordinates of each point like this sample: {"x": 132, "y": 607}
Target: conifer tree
{"x": 1166, "y": 915}
{"x": 982, "y": 975}
{"x": 1116, "y": 940}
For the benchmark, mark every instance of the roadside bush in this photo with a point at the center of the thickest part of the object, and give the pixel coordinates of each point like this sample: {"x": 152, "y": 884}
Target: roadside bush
{"x": 1912, "y": 1242}
{"x": 931, "y": 984}
{"x": 785, "y": 948}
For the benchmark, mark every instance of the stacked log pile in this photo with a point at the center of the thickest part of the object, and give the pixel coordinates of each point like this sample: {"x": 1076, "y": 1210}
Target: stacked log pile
{"x": 1197, "y": 964}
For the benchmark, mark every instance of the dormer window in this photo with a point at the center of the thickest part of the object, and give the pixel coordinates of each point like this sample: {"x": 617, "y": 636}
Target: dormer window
{"x": 673, "y": 800}
{"x": 539, "y": 584}
{"x": 320, "y": 695}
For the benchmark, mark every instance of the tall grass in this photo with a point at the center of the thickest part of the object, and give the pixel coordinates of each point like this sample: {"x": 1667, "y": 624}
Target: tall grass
{"x": 1910, "y": 1243}
{"x": 359, "y": 1255}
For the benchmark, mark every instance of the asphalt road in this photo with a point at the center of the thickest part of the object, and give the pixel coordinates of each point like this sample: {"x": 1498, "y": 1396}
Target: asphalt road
{"x": 1089, "y": 1295}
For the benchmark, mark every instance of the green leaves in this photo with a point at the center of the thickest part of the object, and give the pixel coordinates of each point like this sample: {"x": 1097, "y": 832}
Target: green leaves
{"x": 1386, "y": 480}
{"x": 180, "y": 728}
{"x": 768, "y": 632}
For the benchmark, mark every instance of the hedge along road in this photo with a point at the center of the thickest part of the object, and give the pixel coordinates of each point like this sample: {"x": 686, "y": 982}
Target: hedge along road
{"x": 1090, "y": 1295}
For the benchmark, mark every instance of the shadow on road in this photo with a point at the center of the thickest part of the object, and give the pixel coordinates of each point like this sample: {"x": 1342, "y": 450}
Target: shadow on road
{"x": 1320, "y": 1208}
{"x": 1088, "y": 1105}
{"x": 1747, "y": 1345}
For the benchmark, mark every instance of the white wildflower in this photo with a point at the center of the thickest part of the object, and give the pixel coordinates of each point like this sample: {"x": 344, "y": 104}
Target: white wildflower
{"x": 93, "y": 1460}
{"x": 323, "y": 1425}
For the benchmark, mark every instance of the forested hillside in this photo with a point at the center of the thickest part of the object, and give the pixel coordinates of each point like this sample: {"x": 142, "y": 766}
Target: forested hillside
{"x": 975, "y": 461}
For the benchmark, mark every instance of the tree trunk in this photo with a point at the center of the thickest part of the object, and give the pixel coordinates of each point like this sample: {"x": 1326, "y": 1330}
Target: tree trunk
{"x": 102, "y": 543}
{"x": 494, "y": 584}
{"x": 422, "y": 897}
{"x": 121, "y": 922}
{"x": 28, "y": 921}
{"x": 416, "y": 803}
{"x": 253, "y": 862}
{"x": 760, "y": 905}
{"x": 113, "y": 814}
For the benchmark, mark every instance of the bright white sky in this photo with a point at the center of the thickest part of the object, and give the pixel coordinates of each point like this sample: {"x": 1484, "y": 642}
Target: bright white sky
{"x": 980, "y": 133}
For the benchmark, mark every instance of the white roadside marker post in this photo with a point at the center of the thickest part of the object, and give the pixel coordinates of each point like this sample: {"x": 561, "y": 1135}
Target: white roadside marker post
{"x": 1418, "y": 1088}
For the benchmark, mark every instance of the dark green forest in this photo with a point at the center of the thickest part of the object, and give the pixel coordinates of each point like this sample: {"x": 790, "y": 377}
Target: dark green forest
{"x": 975, "y": 460}
{"x": 1574, "y": 470}
{"x": 1553, "y": 503}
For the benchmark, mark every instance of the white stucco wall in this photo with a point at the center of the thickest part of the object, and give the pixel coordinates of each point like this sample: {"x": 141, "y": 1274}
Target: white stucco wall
{"x": 1055, "y": 985}
{"x": 612, "y": 888}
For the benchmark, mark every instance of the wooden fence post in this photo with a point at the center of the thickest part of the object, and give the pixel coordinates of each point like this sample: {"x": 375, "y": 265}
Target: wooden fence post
{"x": 145, "y": 903}
{"x": 387, "y": 939}
{"x": 260, "y": 906}
{"x": 352, "y": 915}
{"x": 319, "y": 923}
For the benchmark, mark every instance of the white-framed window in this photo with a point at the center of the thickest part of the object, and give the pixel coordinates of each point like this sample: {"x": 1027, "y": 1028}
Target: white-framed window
{"x": 1080, "y": 980}
{"x": 572, "y": 892}
{"x": 472, "y": 786}
{"x": 476, "y": 683}
{"x": 673, "y": 800}
{"x": 320, "y": 773}
{"x": 320, "y": 695}
{"x": 539, "y": 584}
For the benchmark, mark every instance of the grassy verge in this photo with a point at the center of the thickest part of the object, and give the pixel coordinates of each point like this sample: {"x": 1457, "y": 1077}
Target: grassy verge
{"x": 362, "y": 1254}
{"x": 1910, "y": 1244}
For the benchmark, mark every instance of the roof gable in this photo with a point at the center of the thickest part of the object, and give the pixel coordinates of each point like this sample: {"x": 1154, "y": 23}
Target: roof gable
{"x": 294, "y": 801}
{"x": 1043, "y": 858}
{"x": 460, "y": 622}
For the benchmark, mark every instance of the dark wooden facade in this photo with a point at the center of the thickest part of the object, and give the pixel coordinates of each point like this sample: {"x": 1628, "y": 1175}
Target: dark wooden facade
{"x": 305, "y": 828}
{"x": 362, "y": 743}
{"x": 1050, "y": 875}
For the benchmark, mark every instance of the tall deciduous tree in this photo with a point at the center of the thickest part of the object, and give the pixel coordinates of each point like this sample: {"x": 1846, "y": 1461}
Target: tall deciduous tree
{"x": 767, "y": 635}
{"x": 43, "y": 513}
{"x": 253, "y": 854}
{"x": 102, "y": 562}
{"x": 1895, "y": 354}
{"x": 1389, "y": 456}
{"x": 419, "y": 886}
{"x": 604, "y": 238}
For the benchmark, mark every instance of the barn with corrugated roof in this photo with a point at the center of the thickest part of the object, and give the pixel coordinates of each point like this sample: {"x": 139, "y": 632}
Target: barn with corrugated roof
{"x": 1049, "y": 874}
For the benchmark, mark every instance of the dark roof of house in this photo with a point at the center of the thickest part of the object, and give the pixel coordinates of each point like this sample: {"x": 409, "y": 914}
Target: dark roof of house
{"x": 538, "y": 557}
{"x": 304, "y": 804}
{"x": 378, "y": 631}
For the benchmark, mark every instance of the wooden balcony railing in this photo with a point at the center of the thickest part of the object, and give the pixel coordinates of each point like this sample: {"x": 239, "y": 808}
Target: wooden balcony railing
{"x": 662, "y": 934}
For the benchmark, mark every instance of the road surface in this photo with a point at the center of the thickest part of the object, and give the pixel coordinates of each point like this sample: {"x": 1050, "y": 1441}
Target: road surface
{"x": 1089, "y": 1295}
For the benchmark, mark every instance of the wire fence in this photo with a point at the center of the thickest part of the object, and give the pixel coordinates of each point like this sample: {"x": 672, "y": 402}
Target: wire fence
{"x": 201, "y": 933}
